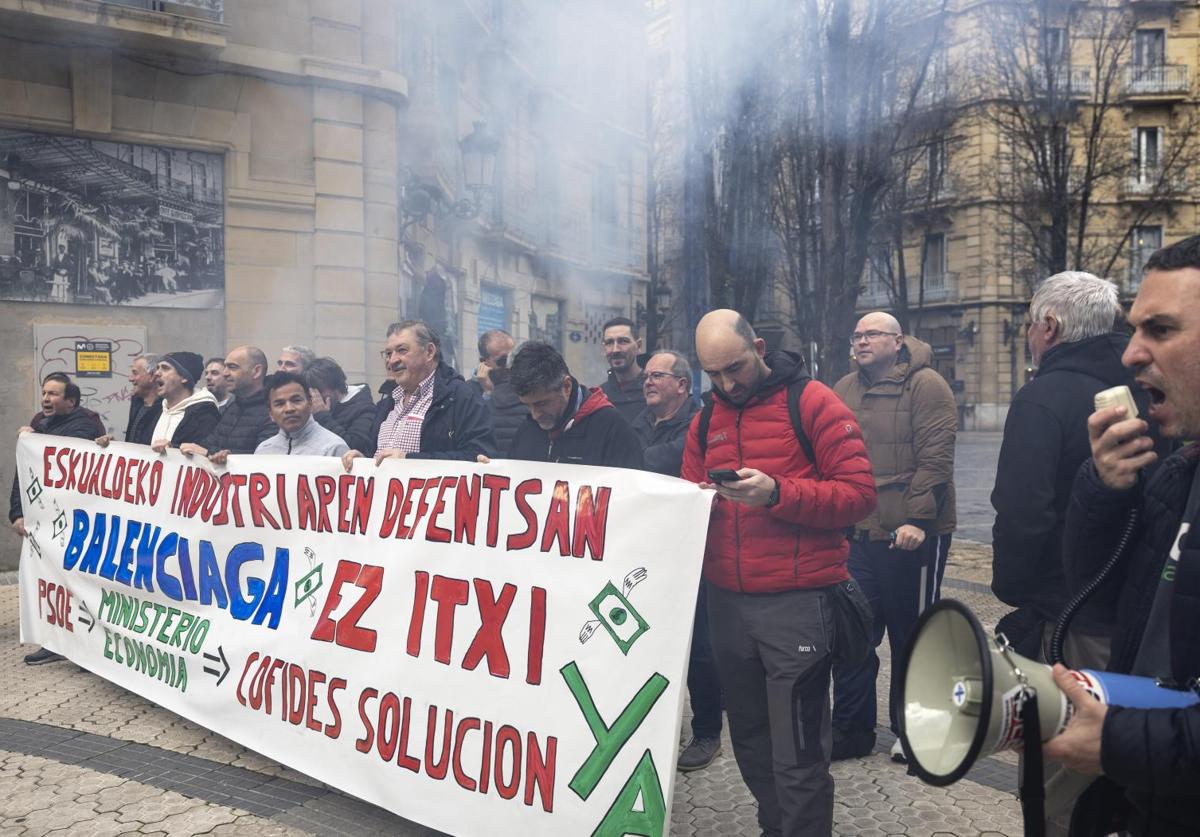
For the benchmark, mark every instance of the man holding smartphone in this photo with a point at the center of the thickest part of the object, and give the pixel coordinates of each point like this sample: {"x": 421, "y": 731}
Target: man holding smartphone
{"x": 1150, "y": 757}
{"x": 776, "y": 548}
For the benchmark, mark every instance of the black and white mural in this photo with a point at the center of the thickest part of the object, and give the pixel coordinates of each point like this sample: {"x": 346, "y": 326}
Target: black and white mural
{"x": 105, "y": 223}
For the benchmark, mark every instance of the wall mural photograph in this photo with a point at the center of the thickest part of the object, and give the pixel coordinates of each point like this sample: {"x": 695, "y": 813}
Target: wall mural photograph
{"x": 105, "y": 223}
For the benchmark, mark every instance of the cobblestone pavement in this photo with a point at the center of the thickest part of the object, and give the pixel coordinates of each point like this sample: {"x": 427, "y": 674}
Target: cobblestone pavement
{"x": 81, "y": 756}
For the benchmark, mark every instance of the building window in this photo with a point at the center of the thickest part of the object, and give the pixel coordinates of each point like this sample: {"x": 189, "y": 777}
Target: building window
{"x": 935, "y": 167}
{"x": 933, "y": 260}
{"x": 604, "y": 207}
{"x": 493, "y": 309}
{"x": 545, "y": 320}
{"x": 1054, "y": 45}
{"x": 1150, "y": 47}
{"x": 1146, "y": 240}
{"x": 1148, "y": 153}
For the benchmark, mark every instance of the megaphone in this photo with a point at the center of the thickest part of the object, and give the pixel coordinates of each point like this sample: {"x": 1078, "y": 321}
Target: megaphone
{"x": 964, "y": 694}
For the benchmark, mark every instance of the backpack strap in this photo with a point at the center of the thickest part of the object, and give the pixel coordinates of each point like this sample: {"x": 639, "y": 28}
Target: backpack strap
{"x": 794, "y": 393}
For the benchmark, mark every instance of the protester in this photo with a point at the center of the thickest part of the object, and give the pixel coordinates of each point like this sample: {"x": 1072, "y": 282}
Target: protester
{"x": 504, "y": 407}
{"x": 1150, "y": 758}
{"x": 187, "y": 415}
{"x": 295, "y": 359}
{"x": 438, "y": 414}
{"x": 214, "y": 382}
{"x": 494, "y": 348}
{"x": 246, "y": 422}
{"x": 290, "y": 401}
{"x": 1077, "y": 354}
{"x": 775, "y": 547}
{"x": 625, "y": 377}
{"x": 346, "y": 410}
{"x": 662, "y": 430}
{"x": 567, "y": 421}
{"x": 898, "y": 554}
{"x": 144, "y": 401}
{"x": 61, "y": 415}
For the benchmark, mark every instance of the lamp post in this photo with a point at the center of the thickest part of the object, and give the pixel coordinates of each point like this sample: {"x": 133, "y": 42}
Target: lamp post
{"x": 421, "y": 200}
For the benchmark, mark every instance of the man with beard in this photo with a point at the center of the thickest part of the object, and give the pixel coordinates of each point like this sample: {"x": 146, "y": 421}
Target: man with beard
{"x": 246, "y": 422}
{"x": 625, "y": 377}
{"x": 144, "y": 403}
{"x": 187, "y": 415}
{"x": 776, "y": 547}
{"x": 214, "y": 382}
{"x": 567, "y": 421}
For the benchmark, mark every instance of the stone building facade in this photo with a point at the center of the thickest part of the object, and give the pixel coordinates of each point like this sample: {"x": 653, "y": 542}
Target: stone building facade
{"x": 321, "y": 115}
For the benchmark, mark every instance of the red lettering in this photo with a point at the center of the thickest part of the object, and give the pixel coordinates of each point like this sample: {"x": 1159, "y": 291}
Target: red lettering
{"x": 416, "y": 623}
{"x": 249, "y": 662}
{"x": 363, "y": 745}
{"x": 345, "y": 631}
{"x": 333, "y": 730}
{"x": 591, "y": 520}
{"x": 466, "y": 509}
{"x": 495, "y": 485}
{"x": 464, "y": 726}
{"x": 433, "y": 532}
{"x": 558, "y": 524}
{"x": 525, "y": 539}
{"x": 537, "y": 636}
{"x": 510, "y": 737}
{"x": 539, "y": 771}
{"x": 260, "y": 487}
{"x": 391, "y": 507}
{"x": 436, "y": 768}
{"x": 489, "y": 639}
{"x": 449, "y": 593}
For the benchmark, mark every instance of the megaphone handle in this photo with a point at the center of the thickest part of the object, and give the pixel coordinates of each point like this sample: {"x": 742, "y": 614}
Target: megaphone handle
{"x": 1033, "y": 782}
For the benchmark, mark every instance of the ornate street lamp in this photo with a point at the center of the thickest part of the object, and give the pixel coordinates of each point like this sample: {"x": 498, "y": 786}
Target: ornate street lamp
{"x": 419, "y": 200}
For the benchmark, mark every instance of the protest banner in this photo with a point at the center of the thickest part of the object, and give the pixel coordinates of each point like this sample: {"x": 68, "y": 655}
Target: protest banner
{"x": 484, "y": 649}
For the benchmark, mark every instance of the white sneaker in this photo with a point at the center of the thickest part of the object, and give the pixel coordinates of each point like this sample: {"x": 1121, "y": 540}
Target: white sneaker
{"x": 898, "y": 752}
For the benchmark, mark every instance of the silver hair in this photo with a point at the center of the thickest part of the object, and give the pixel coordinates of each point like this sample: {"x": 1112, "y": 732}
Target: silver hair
{"x": 152, "y": 360}
{"x": 679, "y": 366}
{"x": 307, "y": 355}
{"x": 421, "y": 330}
{"x": 1083, "y": 304}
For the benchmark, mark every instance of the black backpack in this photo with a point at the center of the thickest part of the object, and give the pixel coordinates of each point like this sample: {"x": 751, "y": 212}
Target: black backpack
{"x": 794, "y": 391}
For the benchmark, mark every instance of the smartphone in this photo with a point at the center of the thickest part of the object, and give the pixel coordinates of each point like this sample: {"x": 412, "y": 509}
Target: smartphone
{"x": 723, "y": 475}
{"x": 1117, "y": 397}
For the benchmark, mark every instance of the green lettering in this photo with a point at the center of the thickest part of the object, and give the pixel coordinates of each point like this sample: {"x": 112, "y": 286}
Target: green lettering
{"x": 622, "y": 819}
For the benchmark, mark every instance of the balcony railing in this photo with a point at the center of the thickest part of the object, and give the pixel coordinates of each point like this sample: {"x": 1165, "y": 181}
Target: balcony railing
{"x": 1074, "y": 81}
{"x": 213, "y": 10}
{"x": 1156, "y": 80}
{"x": 1151, "y": 183}
{"x": 942, "y": 287}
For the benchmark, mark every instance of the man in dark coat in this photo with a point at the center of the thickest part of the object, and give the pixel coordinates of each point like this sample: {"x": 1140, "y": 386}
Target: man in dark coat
{"x": 188, "y": 414}
{"x": 567, "y": 421}
{"x": 61, "y": 416}
{"x": 1150, "y": 758}
{"x": 145, "y": 406}
{"x": 344, "y": 409}
{"x": 625, "y": 375}
{"x": 431, "y": 413}
{"x": 505, "y": 408}
{"x": 1077, "y": 354}
{"x": 246, "y": 422}
{"x": 662, "y": 429}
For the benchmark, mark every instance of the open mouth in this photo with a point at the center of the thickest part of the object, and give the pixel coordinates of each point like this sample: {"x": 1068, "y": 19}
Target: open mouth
{"x": 1157, "y": 396}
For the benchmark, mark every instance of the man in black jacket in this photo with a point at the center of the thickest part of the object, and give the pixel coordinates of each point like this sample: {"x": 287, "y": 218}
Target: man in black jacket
{"x": 504, "y": 407}
{"x": 61, "y": 416}
{"x": 567, "y": 421}
{"x": 1077, "y": 354}
{"x": 625, "y": 376}
{"x": 1153, "y": 756}
{"x": 662, "y": 429}
{"x": 341, "y": 408}
{"x": 145, "y": 405}
{"x": 437, "y": 415}
{"x": 246, "y": 422}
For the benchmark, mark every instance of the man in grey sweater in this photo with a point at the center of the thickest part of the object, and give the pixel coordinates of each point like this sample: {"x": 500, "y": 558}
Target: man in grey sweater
{"x": 290, "y": 404}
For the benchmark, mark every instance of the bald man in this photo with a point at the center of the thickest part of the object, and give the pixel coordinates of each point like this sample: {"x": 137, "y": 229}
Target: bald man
{"x": 898, "y": 554}
{"x": 246, "y": 423}
{"x": 788, "y": 493}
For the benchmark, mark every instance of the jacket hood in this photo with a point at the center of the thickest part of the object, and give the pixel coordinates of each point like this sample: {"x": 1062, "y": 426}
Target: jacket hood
{"x": 594, "y": 401}
{"x": 914, "y": 355}
{"x": 785, "y": 367}
{"x": 504, "y": 395}
{"x": 1099, "y": 357}
{"x": 198, "y": 397}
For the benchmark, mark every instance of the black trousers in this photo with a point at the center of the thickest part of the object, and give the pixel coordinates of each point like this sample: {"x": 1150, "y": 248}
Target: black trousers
{"x": 773, "y": 652}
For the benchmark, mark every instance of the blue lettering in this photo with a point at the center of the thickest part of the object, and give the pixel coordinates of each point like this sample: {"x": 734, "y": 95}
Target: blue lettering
{"x": 166, "y": 582}
{"x": 143, "y": 577}
{"x": 239, "y": 607}
{"x": 210, "y": 577}
{"x": 272, "y": 603}
{"x": 110, "y": 551}
{"x": 79, "y": 529}
{"x": 91, "y": 558}
{"x": 185, "y": 570}
{"x": 125, "y": 568}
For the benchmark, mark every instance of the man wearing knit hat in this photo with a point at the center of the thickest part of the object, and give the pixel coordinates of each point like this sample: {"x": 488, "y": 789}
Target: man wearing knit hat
{"x": 187, "y": 415}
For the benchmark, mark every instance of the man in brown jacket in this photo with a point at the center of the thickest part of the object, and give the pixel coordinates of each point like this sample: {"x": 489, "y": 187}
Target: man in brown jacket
{"x": 898, "y": 554}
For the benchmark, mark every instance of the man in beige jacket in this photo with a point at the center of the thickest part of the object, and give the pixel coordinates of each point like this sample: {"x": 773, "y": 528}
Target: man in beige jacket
{"x": 898, "y": 553}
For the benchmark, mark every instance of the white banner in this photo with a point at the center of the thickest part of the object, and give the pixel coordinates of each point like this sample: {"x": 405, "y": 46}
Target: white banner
{"x": 493, "y": 649}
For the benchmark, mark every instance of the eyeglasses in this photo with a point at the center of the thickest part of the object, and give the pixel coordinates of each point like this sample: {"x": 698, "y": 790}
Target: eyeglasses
{"x": 871, "y": 335}
{"x": 657, "y": 377}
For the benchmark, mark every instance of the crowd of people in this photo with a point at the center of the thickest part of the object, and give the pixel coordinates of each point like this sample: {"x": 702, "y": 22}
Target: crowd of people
{"x": 833, "y": 507}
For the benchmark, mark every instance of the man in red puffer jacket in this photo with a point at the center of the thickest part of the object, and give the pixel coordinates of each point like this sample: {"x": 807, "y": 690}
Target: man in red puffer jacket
{"x": 775, "y": 546}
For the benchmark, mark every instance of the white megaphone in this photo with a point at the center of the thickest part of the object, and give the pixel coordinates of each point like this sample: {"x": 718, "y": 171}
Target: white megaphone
{"x": 964, "y": 692}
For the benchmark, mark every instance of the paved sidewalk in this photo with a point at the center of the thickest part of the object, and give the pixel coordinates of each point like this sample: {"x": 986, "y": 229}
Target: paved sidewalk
{"x": 79, "y": 755}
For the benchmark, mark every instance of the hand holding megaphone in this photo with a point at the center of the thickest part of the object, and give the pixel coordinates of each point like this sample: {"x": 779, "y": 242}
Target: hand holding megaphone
{"x": 1078, "y": 747}
{"x": 1120, "y": 446}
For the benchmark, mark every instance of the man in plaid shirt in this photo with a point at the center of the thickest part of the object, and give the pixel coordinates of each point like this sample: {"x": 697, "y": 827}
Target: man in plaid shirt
{"x": 432, "y": 413}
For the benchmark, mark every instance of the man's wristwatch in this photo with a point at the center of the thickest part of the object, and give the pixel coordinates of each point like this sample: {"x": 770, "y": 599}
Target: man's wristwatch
{"x": 773, "y": 500}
